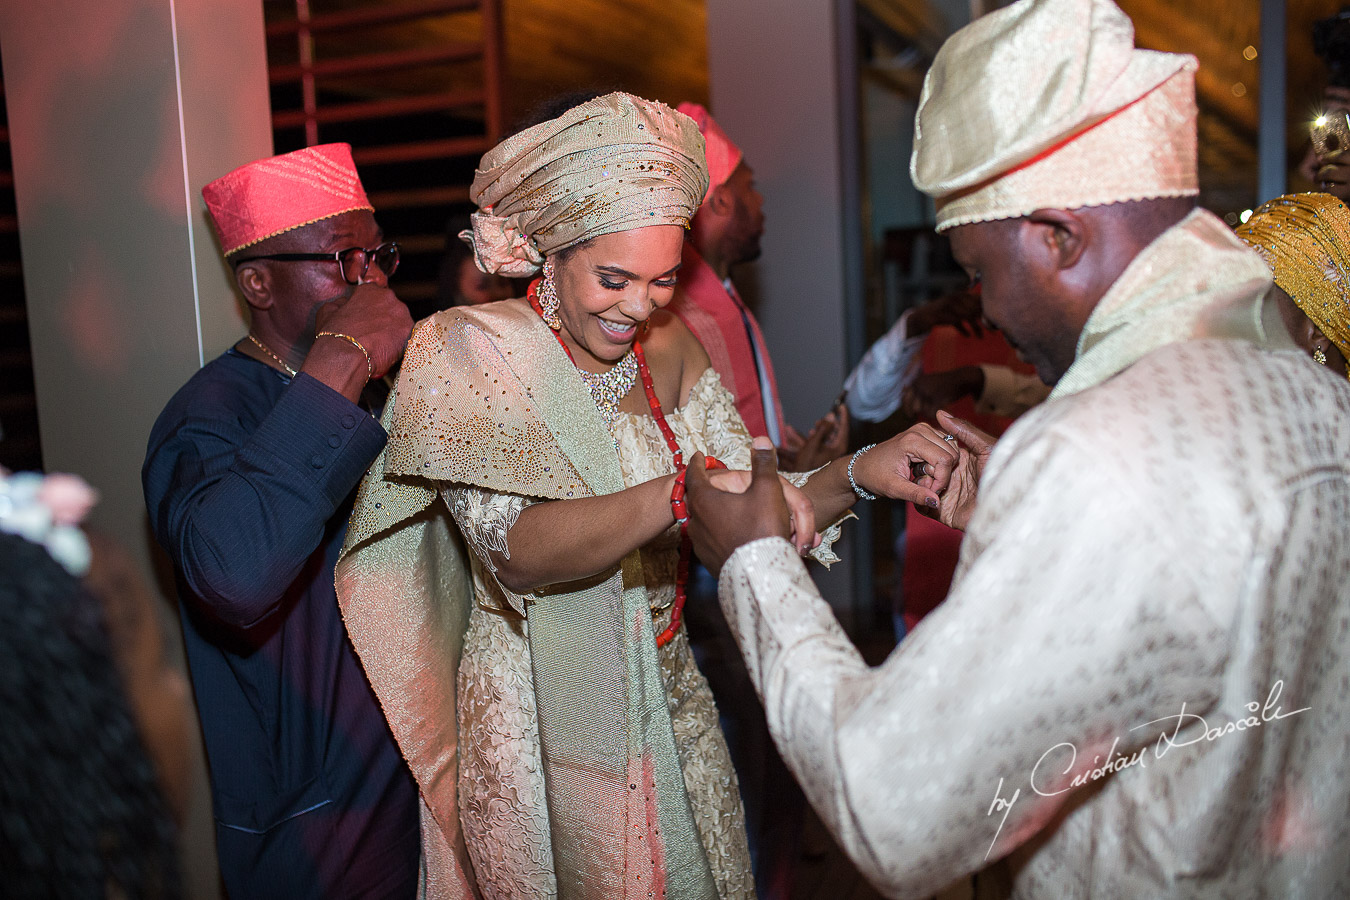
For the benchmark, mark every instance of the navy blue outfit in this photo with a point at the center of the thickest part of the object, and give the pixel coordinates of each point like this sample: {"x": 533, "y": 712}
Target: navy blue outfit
{"x": 249, "y": 481}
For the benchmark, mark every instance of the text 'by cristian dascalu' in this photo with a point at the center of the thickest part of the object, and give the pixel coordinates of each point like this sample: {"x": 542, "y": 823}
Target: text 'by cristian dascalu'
{"x": 1049, "y": 767}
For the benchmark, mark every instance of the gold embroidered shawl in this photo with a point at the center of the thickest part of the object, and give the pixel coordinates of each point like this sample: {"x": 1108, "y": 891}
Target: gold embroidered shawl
{"x": 487, "y": 397}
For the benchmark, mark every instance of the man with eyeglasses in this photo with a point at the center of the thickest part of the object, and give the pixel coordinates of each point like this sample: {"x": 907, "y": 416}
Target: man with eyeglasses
{"x": 249, "y": 480}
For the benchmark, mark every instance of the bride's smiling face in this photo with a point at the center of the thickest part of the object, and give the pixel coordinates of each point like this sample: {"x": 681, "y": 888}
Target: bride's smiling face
{"x": 610, "y": 285}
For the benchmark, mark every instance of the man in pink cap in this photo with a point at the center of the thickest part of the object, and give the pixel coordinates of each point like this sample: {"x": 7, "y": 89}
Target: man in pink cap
{"x": 726, "y": 231}
{"x": 248, "y": 480}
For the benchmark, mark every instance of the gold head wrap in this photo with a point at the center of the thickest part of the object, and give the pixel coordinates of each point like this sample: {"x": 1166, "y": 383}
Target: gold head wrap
{"x": 1305, "y": 239}
{"x": 1047, "y": 104}
{"x": 612, "y": 164}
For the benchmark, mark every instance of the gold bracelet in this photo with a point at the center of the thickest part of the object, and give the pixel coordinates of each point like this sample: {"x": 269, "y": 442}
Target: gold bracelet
{"x": 370, "y": 368}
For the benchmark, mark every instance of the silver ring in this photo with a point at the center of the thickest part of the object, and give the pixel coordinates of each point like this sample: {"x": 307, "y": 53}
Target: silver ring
{"x": 949, "y": 437}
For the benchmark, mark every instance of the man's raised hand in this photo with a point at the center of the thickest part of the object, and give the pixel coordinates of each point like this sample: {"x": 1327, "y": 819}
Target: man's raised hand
{"x": 374, "y": 316}
{"x": 957, "y": 502}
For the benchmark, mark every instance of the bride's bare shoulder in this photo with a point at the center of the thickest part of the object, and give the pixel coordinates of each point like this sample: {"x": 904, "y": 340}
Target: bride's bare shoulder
{"x": 671, "y": 336}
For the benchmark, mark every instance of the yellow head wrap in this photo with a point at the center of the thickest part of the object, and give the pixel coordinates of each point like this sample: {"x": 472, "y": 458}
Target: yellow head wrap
{"x": 1305, "y": 239}
{"x": 612, "y": 164}
{"x": 1047, "y": 104}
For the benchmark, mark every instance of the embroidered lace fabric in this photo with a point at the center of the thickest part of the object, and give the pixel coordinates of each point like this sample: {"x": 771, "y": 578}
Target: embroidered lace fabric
{"x": 502, "y": 800}
{"x": 494, "y": 515}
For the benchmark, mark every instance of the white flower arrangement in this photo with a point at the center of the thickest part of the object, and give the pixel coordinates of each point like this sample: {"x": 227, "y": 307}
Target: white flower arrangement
{"x": 47, "y": 510}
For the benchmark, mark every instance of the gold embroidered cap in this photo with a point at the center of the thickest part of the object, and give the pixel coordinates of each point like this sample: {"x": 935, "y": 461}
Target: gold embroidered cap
{"x": 281, "y": 193}
{"x": 612, "y": 164}
{"x": 1047, "y": 104}
{"x": 1305, "y": 239}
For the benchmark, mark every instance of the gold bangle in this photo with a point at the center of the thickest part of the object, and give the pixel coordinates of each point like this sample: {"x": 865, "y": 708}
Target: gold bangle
{"x": 370, "y": 368}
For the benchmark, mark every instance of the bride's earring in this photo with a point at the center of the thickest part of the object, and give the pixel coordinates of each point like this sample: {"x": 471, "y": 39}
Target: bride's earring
{"x": 1319, "y": 357}
{"x": 548, "y": 298}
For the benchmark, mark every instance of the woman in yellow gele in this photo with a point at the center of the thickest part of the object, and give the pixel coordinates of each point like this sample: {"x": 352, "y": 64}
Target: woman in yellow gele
{"x": 1305, "y": 239}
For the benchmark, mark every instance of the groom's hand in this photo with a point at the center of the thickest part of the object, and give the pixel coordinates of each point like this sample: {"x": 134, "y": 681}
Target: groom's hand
{"x": 719, "y": 522}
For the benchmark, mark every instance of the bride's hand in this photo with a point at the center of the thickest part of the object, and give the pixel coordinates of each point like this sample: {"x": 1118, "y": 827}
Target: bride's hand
{"x": 801, "y": 510}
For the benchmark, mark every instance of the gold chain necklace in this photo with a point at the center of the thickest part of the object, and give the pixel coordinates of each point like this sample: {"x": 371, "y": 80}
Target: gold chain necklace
{"x": 263, "y": 347}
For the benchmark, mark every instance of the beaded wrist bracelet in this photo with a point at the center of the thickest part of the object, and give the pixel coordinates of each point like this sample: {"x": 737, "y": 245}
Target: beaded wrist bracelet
{"x": 677, "y": 502}
{"x": 857, "y": 490}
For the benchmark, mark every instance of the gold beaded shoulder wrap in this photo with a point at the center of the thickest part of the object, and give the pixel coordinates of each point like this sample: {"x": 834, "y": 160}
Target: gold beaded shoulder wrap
{"x": 487, "y": 397}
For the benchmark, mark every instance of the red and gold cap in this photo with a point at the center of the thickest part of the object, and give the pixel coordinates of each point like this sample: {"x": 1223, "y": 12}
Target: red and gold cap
{"x": 280, "y": 193}
{"x": 723, "y": 155}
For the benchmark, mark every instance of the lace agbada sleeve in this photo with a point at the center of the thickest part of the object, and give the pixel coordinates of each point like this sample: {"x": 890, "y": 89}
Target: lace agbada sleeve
{"x": 1043, "y": 639}
{"x": 484, "y": 518}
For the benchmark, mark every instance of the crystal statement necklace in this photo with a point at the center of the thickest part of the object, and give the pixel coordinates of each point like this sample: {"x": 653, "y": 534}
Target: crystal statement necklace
{"x": 607, "y": 388}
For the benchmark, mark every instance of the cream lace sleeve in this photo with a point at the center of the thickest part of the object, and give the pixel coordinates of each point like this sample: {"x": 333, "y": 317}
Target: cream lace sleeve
{"x": 712, "y": 408}
{"x": 824, "y": 554}
{"x": 484, "y": 518}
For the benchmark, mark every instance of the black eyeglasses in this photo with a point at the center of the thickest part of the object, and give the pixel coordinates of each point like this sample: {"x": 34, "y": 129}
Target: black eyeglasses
{"x": 355, "y": 261}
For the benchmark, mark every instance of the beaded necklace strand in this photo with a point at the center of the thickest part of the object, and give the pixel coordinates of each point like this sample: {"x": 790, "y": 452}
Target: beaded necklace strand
{"x": 686, "y": 546}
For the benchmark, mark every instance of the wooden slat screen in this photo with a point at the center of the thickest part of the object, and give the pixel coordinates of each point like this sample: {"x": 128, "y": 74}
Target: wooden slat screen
{"x": 415, "y": 88}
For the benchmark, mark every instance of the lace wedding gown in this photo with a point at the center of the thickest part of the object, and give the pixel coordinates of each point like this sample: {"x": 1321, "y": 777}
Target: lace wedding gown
{"x": 501, "y": 784}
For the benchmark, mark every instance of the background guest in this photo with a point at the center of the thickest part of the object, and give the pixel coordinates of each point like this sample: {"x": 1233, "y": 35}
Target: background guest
{"x": 459, "y": 281}
{"x": 725, "y": 232}
{"x": 82, "y": 813}
{"x": 1305, "y": 239}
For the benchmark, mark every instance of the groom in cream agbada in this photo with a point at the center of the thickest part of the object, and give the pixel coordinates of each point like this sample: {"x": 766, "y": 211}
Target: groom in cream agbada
{"x": 1137, "y": 685}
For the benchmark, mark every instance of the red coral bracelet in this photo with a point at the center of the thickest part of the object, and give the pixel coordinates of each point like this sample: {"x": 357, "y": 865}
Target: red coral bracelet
{"x": 677, "y": 501}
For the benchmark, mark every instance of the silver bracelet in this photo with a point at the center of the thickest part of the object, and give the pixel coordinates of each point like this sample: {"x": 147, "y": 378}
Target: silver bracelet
{"x": 857, "y": 490}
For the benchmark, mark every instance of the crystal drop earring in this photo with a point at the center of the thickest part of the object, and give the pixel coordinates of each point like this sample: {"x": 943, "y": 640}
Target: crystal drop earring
{"x": 548, "y": 298}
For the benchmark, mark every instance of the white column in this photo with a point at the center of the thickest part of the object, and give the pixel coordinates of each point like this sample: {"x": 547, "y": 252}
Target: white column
{"x": 119, "y": 112}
